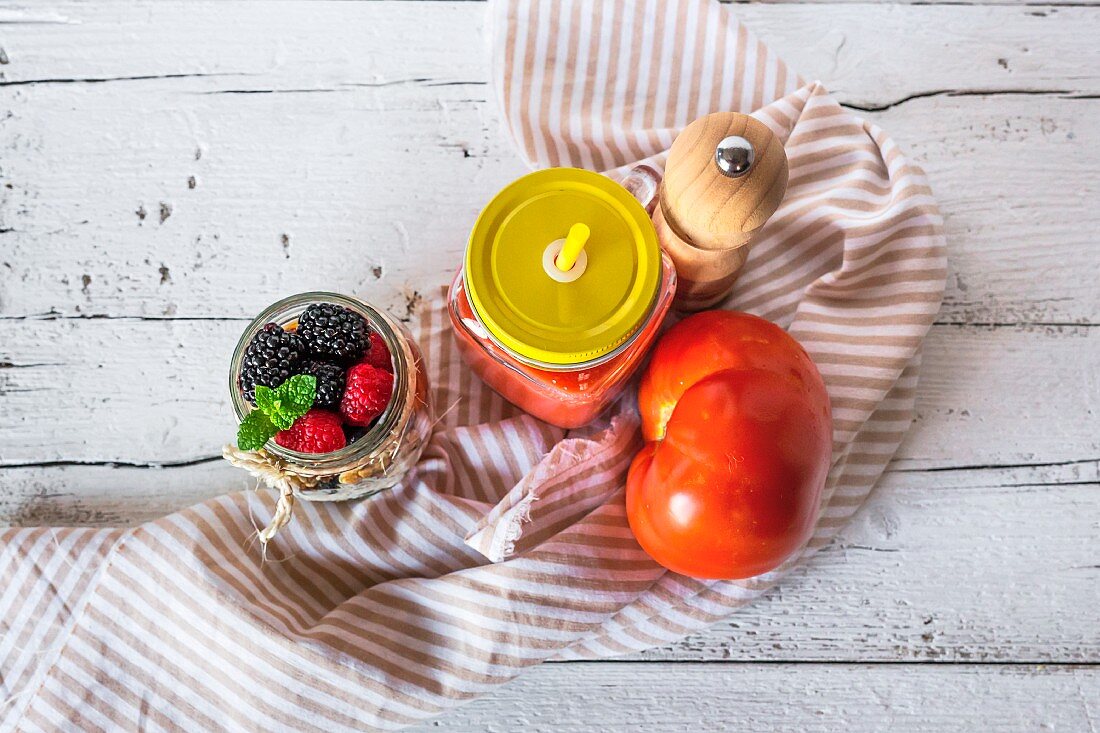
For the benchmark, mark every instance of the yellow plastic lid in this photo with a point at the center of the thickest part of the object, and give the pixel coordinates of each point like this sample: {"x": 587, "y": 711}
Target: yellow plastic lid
{"x": 527, "y": 304}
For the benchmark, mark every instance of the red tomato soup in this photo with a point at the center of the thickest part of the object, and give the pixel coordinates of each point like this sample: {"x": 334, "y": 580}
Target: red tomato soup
{"x": 562, "y": 291}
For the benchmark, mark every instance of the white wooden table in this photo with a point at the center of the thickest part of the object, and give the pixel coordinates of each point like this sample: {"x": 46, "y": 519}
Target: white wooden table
{"x": 169, "y": 168}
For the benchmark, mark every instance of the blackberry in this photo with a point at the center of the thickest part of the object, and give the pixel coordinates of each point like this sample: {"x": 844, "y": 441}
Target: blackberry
{"x": 353, "y": 433}
{"x": 330, "y": 383}
{"x": 271, "y": 357}
{"x": 333, "y": 333}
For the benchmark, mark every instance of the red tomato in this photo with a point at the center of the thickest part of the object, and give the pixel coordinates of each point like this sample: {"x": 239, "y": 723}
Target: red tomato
{"x": 739, "y": 443}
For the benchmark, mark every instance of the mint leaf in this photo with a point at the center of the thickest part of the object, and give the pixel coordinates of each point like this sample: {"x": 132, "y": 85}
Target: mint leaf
{"x": 255, "y": 430}
{"x": 287, "y": 402}
{"x": 293, "y": 398}
{"x": 276, "y": 409}
{"x": 265, "y": 398}
{"x": 270, "y": 403}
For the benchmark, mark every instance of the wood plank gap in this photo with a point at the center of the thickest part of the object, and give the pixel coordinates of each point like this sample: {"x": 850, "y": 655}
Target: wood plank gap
{"x": 917, "y": 3}
{"x": 105, "y": 79}
{"x": 106, "y": 317}
{"x": 1061, "y": 93}
{"x": 837, "y": 662}
{"x": 348, "y": 86}
{"x": 995, "y": 466}
{"x": 1016, "y": 324}
{"x": 245, "y": 319}
{"x": 115, "y": 464}
{"x": 158, "y": 465}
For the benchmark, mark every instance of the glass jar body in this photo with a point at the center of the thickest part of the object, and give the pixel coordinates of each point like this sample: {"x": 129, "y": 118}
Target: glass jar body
{"x": 379, "y": 458}
{"x": 568, "y": 397}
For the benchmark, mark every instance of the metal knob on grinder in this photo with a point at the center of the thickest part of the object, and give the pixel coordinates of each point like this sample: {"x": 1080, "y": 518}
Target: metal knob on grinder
{"x": 734, "y": 156}
{"x": 726, "y": 175}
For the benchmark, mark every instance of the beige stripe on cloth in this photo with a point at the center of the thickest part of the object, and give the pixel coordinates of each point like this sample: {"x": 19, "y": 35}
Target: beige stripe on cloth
{"x": 509, "y": 545}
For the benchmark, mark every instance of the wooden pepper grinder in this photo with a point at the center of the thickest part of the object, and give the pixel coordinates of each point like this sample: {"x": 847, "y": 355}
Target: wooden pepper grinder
{"x": 725, "y": 176}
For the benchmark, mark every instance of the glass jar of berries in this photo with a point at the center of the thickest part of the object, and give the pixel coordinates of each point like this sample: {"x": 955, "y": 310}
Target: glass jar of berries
{"x": 370, "y": 415}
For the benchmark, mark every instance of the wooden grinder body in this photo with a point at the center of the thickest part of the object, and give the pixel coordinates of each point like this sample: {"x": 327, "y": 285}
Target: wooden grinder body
{"x": 706, "y": 218}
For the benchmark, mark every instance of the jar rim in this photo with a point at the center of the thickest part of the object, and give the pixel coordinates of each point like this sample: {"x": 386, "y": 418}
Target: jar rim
{"x": 282, "y": 312}
{"x": 576, "y": 366}
{"x": 511, "y": 282}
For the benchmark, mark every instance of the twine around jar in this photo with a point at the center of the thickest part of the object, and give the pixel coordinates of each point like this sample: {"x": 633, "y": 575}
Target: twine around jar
{"x": 273, "y": 473}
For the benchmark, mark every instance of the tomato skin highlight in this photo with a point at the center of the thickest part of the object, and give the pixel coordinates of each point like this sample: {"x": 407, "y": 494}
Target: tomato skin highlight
{"x": 732, "y": 487}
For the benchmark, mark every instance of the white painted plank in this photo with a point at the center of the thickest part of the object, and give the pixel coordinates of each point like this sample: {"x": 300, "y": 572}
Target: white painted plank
{"x": 109, "y": 496}
{"x": 871, "y": 53}
{"x": 877, "y": 53}
{"x": 347, "y": 173}
{"x": 154, "y": 391}
{"x": 354, "y": 186}
{"x": 808, "y": 698}
{"x": 1006, "y": 396}
{"x": 1017, "y": 545}
{"x": 356, "y": 197}
{"x": 1015, "y": 179}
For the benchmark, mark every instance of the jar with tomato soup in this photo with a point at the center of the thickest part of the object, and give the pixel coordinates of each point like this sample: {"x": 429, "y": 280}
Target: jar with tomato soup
{"x": 562, "y": 291}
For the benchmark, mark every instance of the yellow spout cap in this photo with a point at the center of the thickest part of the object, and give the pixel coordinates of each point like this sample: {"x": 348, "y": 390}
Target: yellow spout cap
{"x": 571, "y": 250}
{"x": 513, "y": 255}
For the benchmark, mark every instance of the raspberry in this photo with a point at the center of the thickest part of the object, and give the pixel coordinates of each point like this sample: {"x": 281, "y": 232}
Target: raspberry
{"x": 367, "y": 393}
{"x": 318, "y": 431}
{"x": 330, "y": 383}
{"x": 271, "y": 357}
{"x": 378, "y": 355}
{"x": 333, "y": 333}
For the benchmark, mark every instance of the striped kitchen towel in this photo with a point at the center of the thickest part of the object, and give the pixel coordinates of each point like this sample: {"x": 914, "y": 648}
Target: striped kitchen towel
{"x": 508, "y": 545}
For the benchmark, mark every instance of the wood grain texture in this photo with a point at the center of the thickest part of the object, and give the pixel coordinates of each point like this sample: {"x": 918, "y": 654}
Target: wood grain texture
{"x": 295, "y": 182}
{"x": 159, "y": 394}
{"x": 805, "y": 698}
{"x": 868, "y": 53}
{"x": 705, "y": 219}
{"x": 292, "y": 154}
{"x": 110, "y": 495}
{"x": 712, "y": 210}
{"x": 704, "y": 277}
{"x": 169, "y": 168}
